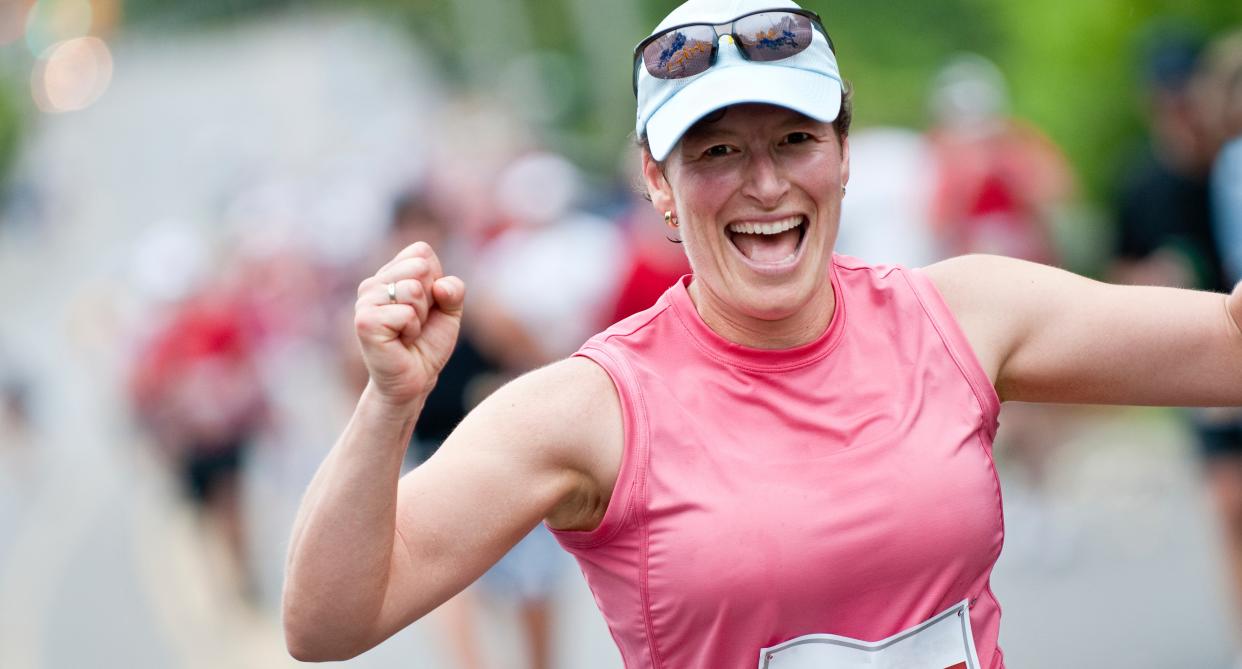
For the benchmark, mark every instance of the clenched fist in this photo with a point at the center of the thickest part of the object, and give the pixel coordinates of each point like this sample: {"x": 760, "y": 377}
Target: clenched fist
{"x": 407, "y": 318}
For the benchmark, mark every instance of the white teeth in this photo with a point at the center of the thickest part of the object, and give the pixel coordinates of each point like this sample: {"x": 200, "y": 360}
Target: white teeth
{"x": 773, "y": 228}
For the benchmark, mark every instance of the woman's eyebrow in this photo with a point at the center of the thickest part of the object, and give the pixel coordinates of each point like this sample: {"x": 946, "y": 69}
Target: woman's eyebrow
{"x": 707, "y": 132}
{"x": 801, "y": 121}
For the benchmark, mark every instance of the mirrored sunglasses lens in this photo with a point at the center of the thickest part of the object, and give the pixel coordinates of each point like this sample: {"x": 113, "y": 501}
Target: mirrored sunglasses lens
{"x": 773, "y": 35}
{"x": 684, "y": 52}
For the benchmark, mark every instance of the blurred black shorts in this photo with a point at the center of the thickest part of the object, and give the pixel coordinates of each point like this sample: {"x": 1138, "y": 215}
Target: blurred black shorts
{"x": 206, "y": 467}
{"x": 1220, "y": 440}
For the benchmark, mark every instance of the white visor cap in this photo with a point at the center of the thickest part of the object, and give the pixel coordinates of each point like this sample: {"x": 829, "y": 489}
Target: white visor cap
{"x": 808, "y": 82}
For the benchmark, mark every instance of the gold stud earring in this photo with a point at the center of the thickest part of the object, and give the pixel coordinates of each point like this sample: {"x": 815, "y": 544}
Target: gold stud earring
{"x": 668, "y": 219}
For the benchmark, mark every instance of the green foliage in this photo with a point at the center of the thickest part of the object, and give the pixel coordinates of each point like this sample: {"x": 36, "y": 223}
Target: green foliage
{"x": 11, "y": 122}
{"x": 889, "y": 51}
{"x": 177, "y": 13}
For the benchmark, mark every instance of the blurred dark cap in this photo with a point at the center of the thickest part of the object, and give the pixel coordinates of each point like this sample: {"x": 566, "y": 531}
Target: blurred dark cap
{"x": 1169, "y": 53}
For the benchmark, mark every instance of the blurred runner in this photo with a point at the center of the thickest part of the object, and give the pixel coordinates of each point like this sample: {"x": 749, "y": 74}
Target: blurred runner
{"x": 1001, "y": 180}
{"x": 196, "y": 388}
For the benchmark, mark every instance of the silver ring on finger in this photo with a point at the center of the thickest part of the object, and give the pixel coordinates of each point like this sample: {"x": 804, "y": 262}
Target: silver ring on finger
{"x": 392, "y": 292}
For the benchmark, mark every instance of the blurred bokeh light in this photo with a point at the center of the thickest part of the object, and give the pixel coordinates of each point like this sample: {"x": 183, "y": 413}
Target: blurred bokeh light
{"x": 71, "y": 75}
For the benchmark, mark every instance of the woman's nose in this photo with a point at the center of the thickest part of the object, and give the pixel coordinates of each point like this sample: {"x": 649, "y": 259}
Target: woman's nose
{"x": 765, "y": 183}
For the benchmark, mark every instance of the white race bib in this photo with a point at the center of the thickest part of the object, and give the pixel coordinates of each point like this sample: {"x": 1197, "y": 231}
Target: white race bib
{"x": 942, "y": 642}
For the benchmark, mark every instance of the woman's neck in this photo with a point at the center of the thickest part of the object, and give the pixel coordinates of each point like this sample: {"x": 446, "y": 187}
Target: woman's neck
{"x": 803, "y": 326}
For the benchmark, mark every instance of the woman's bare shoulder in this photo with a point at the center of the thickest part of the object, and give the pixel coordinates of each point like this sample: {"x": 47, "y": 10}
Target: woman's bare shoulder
{"x": 562, "y": 394}
{"x": 977, "y": 291}
{"x": 568, "y": 416}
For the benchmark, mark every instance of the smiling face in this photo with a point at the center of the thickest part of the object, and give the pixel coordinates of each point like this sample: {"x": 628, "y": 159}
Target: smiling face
{"x": 757, "y": 195}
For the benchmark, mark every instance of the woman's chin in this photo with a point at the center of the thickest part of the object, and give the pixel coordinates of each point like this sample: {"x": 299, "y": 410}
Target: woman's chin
{"x": 775, "y": 305}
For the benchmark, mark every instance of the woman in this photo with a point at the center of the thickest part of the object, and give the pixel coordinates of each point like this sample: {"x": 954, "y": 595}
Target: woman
{"x": 788, "y": 455}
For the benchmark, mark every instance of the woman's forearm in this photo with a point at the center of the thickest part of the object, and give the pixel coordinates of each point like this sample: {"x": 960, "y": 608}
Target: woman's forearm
{"x": 342, "y": 542}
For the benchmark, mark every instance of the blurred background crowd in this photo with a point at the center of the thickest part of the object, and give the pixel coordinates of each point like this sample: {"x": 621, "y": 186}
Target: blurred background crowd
{"x": 190, "y": 193}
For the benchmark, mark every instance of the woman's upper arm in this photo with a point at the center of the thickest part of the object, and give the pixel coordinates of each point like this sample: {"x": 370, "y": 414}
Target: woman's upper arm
{"x": 548, "y": 444}
{"x": 1047, "y": 335}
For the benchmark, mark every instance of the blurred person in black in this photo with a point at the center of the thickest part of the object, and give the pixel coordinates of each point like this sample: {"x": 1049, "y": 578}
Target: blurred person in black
{"x": 1166, "y": 234}
{"x": 1164, "y": 227}
{"x": 471, "y": 372}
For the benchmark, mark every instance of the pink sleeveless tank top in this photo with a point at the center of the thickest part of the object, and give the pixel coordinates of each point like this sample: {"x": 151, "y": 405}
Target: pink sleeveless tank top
{"x": 842, "y": 487}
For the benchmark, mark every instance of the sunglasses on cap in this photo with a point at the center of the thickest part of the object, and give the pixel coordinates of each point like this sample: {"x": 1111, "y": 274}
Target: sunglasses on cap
{"x": 765, "y": 35}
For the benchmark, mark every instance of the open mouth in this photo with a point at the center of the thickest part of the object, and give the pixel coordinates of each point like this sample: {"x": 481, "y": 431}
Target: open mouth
{"x": 771, "y": 242}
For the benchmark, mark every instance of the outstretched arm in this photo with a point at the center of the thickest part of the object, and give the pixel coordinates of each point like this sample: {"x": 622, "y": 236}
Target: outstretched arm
{"x": 1047, "y": 335}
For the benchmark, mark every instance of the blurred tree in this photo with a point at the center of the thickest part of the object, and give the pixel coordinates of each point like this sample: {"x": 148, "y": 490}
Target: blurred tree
{"x": 1074, "y": 70}
{"x": 11, "y": 123}
{"x": 889, "y": 51}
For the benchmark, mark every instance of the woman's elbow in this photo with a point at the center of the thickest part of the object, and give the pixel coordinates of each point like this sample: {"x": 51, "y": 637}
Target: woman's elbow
{"x": 318, "y": 640}
{"x": 306, "y": 646}
{"x": 312, "y": 654}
